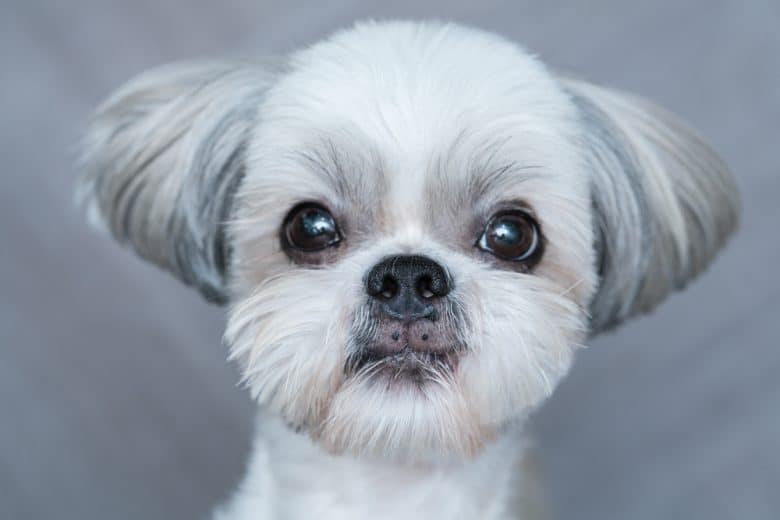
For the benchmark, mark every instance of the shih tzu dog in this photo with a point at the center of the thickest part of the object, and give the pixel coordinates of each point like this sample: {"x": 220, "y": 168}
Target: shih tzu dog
{"x": 415, "y": 226}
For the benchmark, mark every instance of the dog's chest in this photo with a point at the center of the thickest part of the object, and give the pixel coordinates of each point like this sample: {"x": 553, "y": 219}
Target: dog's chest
{"x": 289, "y": 478}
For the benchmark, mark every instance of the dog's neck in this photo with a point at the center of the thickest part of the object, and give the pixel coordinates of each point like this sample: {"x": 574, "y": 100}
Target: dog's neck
{"x": 290, "y": 477}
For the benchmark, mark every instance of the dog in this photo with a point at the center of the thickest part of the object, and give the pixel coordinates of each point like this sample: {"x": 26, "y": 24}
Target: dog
{"x": 415, "y": 226}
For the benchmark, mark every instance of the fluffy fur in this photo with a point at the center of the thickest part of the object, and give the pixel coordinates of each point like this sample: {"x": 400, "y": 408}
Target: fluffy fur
{"x": 412, "y": 134}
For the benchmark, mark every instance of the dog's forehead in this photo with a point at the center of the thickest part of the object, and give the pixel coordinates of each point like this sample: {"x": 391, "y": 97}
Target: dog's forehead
{"x": 406, "y": 119}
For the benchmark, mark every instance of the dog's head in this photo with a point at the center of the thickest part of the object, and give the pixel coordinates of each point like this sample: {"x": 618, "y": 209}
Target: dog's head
{"x": 415, "y": 225}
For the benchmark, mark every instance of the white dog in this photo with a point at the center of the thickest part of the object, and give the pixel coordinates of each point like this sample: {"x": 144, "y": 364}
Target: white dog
{"x": 416, "y": 225}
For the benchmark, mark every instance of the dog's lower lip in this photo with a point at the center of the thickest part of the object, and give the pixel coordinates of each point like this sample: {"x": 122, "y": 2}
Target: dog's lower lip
{"x": 407, "y": 361}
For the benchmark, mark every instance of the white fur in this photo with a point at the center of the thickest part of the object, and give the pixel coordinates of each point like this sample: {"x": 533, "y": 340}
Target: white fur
{"x": 413, "y": 134}
{"x": 290, "y": 477}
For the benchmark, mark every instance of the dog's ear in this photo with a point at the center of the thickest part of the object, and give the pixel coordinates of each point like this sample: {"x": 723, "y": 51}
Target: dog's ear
{"x": 664, "y": 202}
{"x": 163, "y": 158}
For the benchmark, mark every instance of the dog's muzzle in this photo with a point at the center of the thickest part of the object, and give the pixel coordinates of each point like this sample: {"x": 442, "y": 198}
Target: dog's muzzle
{"x": 407, "y": 294}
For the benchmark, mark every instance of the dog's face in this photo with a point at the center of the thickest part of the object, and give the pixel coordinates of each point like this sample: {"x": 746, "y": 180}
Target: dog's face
{"x": 416, "y": 225}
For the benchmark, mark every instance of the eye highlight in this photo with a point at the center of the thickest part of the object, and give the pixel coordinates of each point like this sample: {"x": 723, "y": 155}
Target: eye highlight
{"x": 310, "y": 227}
{"x": 512, "y": 235}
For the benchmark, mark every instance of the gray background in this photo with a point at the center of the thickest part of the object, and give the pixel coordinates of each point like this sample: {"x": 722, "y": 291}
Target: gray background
{"x": 115, "y": 398}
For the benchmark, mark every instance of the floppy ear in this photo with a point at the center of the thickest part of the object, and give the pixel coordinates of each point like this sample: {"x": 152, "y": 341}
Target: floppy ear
{"x": 664, "y": 202}
{"x": 163, "y": 158}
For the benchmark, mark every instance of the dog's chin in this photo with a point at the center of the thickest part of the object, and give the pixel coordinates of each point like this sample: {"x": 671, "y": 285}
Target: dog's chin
{"x": 408, "y": 427}
{"x": 403, "y": 405}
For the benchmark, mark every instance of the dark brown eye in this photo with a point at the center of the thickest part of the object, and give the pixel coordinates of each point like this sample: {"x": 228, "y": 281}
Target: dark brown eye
{"x": 512, "y": 235}
{"x": 310, "y": 227}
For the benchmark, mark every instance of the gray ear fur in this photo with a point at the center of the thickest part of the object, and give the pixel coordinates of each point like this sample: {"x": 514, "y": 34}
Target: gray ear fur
{"x": 162, "y": 159}
{"x": 664, "y": 202}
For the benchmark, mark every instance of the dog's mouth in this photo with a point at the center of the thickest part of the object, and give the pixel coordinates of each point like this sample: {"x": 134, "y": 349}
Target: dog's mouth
{"x": 406, "y": 364}
{"x": 411, "y": 351}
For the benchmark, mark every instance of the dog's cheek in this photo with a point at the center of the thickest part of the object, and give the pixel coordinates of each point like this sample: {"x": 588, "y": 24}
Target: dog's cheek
{"x": 288, "y": 339}
{"x": 522, "y": 338}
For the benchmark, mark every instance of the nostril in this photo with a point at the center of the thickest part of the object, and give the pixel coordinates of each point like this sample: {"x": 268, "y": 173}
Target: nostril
{"x": 389, "y": 288}
{"x": 424, "y": 287}
{"x": 434, "y": 285}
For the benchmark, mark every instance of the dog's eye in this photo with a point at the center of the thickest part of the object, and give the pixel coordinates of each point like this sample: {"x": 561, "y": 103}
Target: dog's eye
{"x": 511, "y": 235}
{"x": 310, "y": 227}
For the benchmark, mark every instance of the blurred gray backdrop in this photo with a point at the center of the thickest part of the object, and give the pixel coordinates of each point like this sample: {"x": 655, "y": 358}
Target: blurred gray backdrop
{"x": 115, "y": 397}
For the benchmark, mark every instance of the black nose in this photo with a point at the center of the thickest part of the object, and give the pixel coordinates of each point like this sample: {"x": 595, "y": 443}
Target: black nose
{"x": 407, "y": 286}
